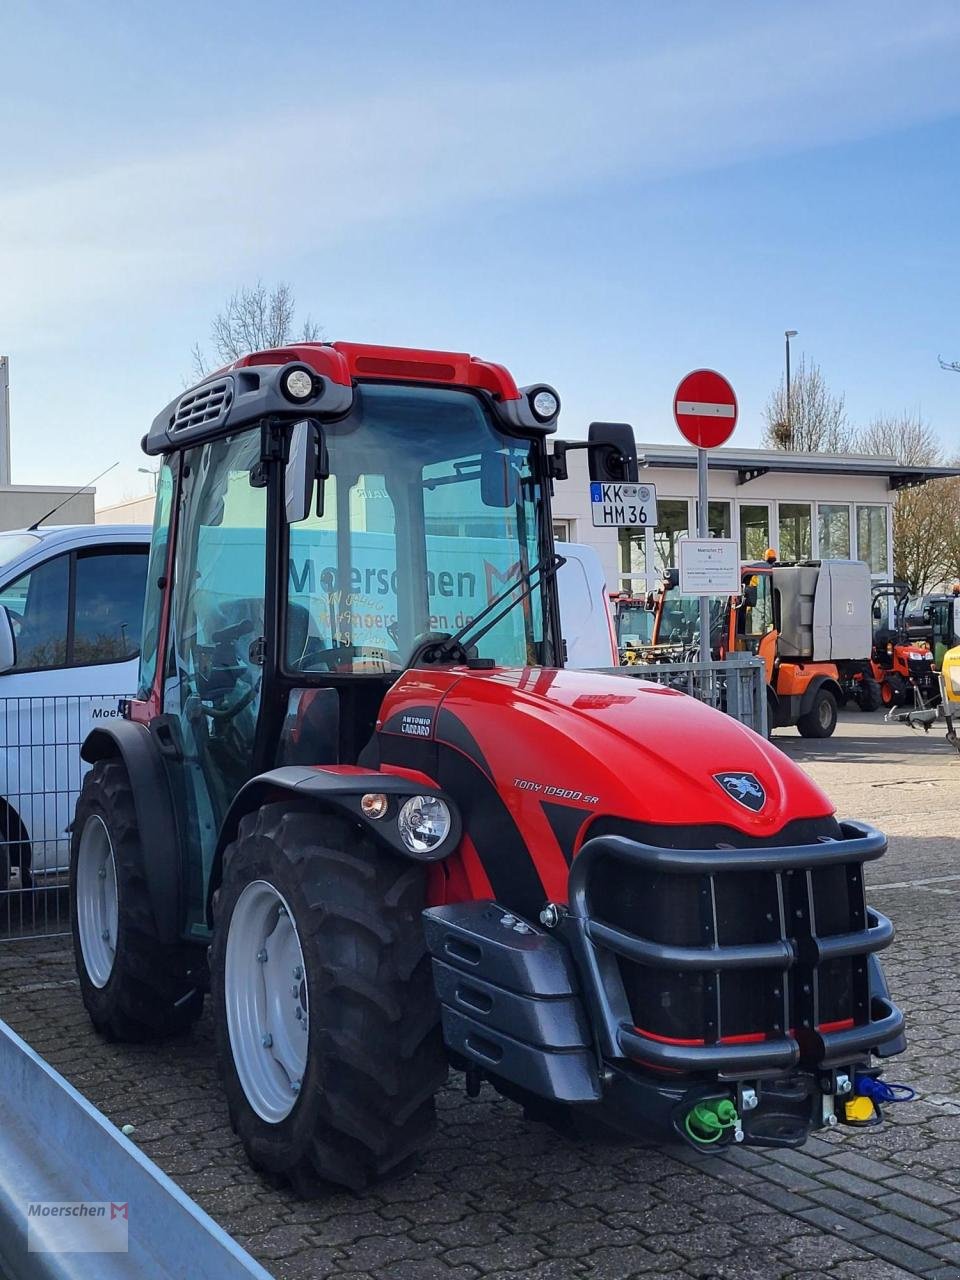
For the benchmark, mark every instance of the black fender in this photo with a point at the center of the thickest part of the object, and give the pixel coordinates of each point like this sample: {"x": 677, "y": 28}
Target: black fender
{"x": 339, "y": 793}
{"x": 134, "y": 745}
{"x": 814, "y": 687}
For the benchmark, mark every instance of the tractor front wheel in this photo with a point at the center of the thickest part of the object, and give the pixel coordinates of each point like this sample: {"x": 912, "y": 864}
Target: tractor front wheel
{"x": 869, "y": 694}
{"x": 821, "y": 720}
{"x": 327, "y": 1023}
{"x": 134, "y": 986}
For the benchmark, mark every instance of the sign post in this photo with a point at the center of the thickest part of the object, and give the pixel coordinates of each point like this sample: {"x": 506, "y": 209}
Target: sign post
{"x": 705, "y": 409}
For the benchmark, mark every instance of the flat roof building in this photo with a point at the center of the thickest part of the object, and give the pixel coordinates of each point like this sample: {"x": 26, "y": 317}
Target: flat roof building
{"x": 807, "y": 506}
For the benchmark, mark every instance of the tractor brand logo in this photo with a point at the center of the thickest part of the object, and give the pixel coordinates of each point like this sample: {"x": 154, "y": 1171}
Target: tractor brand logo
{"x": 416, "y": 726}
{"x": 744, "y": 788}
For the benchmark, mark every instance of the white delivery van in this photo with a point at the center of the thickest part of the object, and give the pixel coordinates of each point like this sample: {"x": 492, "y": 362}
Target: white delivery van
{"x": 586, "y": 622}
{"x": 71, "y": 602}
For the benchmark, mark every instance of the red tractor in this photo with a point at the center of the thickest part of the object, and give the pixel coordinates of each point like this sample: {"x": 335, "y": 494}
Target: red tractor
{"x": 358, "y": 796}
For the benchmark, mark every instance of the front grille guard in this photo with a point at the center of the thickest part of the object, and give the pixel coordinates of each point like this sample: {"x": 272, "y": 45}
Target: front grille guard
{"x": 597, "y": 945}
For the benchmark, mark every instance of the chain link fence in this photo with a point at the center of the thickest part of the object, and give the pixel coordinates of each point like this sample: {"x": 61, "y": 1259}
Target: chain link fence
{"x": 40, "y": 776}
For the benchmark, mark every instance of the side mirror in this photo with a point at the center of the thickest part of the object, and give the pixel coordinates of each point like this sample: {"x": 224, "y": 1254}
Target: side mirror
{"x": 305, "y": 463}
{"x": 499, "y": 480}
{"x": 612, "y": 452}
{"x": 8, "y": 643}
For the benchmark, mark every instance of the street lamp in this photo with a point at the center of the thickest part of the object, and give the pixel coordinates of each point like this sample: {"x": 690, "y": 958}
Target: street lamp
{"x": 788, "y": 334}
{"x": 155, "y": 473}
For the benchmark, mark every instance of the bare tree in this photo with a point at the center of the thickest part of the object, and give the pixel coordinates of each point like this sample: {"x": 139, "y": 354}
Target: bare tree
{"x": 950, "y": 527}
{"x": 817, "y": 421}
{"x": 253, "y": 319}
{"x": 921, "y": 516}
{"x": 905, "y": 437}
{"x": 920, "y": 527}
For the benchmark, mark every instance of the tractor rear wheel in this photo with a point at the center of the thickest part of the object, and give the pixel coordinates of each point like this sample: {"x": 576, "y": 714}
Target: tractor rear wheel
{"x": 821, "y": 720}
{"x": 134, "y": 986}
{"x": 869, "y": 694}
{"x": 326, "y": 1019}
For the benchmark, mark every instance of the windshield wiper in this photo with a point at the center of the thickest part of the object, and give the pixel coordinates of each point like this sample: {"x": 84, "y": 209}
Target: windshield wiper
{"x": 547, "y": 568}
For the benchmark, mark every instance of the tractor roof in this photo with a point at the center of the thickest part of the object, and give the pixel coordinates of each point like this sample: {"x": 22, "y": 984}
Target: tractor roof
{"x": 250, "y": 388}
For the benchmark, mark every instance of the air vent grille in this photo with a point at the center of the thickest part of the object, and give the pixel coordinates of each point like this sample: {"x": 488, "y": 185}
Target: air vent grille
{"x": 204, "y": 407}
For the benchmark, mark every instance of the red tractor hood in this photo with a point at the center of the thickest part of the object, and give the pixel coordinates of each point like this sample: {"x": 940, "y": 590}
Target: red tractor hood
{"x": 604, "y": 745}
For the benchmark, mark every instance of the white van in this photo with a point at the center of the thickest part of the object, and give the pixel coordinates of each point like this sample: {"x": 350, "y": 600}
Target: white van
{"x": 586, "y": 622}
{"x": 71, "y": 601}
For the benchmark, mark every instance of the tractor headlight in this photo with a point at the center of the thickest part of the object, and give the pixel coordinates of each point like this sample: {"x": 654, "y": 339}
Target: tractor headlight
{"x": 544, "y": 403}
{"x": 424, "y": 823}
{"x": 297, "y": 385}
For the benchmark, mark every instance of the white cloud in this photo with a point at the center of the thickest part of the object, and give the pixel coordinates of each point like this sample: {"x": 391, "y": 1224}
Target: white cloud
{"x": 148, "y": 225}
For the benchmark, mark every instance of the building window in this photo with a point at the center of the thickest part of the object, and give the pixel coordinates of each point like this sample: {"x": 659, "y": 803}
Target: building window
{"x": 718, "y": 519}
{"x": 673, "y": 523}
{"x": 872, "y": 538}
{"x": 833, "y": 526}
{"x": 754, "y": 530}
{"x": 563, "y": 531}
{"x": 795, "y": 531}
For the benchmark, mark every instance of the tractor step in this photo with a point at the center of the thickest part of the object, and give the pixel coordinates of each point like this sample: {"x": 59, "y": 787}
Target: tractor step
{"x": 509, "y": 1001}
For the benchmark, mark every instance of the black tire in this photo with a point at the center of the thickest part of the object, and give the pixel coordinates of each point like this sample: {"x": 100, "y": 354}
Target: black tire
{"x": 869, "y": 694}
{"x": 902, "y": 690}
{"x": 14, "y": 848}
{"x": 154, "y": 989}
{"x": 821, "y": 720}
{"x": 375, "y": 1056}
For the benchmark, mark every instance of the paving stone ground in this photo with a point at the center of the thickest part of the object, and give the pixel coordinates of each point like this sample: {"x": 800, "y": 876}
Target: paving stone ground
{"x": 496, "y": 1197}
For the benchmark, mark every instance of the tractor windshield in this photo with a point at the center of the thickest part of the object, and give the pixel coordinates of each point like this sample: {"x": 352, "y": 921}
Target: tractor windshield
{"x": 429, "y": 512}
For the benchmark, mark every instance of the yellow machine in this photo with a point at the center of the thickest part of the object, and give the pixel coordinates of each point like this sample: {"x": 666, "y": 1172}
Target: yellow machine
{"x": 950, "y": 694}
{"x": 949, "y": 709}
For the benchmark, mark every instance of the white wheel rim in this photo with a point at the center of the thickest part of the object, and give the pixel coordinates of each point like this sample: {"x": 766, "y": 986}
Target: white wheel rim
{"x": 98, "y": 915}
{"x": 265, "y": 992}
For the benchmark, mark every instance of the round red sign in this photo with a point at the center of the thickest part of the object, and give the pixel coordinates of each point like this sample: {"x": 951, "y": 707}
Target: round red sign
{"x": 705, "y": 408}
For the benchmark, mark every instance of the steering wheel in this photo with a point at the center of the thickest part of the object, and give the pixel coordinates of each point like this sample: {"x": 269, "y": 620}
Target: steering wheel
{"x": 223, "y": 714}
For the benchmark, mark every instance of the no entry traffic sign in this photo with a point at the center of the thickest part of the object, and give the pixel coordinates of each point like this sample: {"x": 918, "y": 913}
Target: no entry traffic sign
{"x": 705, "y": 408}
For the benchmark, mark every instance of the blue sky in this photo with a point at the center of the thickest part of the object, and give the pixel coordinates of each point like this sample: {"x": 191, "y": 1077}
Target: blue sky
{"x": 601, "y": 196}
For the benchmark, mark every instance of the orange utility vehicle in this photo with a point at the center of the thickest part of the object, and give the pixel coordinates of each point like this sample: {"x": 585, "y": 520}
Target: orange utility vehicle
{"x": 808, "y": 622}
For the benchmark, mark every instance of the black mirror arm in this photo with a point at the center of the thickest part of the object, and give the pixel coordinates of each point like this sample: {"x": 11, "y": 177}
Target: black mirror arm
{"x": 558, "y": 459}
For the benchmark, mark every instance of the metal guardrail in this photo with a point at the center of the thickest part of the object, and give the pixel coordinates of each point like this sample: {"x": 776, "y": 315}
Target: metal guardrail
{"x": 55, "y": 1148}
{"x": 40, "y": 776}
{"x": 735, "y": 685}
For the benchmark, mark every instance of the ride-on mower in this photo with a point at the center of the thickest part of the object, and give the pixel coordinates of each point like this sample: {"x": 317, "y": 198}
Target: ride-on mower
{"x": 359, "y": 788}
{"x": 902, "y": 661}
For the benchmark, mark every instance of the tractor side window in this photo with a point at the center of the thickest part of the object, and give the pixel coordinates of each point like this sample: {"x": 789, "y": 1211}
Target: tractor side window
{"x": 156, "y": 569}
